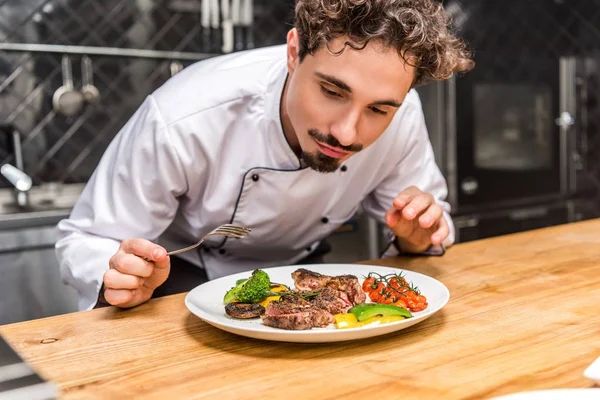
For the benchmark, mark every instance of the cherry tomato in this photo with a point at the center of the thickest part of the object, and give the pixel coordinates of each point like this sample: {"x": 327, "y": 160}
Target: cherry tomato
{"x": 375, "y": 296}
{"x": 400, "y": 303}
{"x": 418, "y": 306}
{"x": 394, "y": 283}
{"x": 368, "y": 284}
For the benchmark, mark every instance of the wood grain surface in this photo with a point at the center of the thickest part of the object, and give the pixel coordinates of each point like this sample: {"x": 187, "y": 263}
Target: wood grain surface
{"x": 523, "y": 315}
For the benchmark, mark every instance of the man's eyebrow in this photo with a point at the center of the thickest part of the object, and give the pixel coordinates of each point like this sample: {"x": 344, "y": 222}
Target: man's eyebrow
{"x": 391, "y": 103}
{"x": 342, "y": 85}
{"x": 334, "y": 81}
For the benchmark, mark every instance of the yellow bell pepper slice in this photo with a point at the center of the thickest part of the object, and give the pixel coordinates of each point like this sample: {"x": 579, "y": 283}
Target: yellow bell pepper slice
{"x": 382, "y": 320}
{"x": 344, "y": 321}
{"x": 269, "y": 299}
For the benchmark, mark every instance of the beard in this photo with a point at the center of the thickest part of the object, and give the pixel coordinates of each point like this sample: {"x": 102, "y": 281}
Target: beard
{"x": 321, "y": 162}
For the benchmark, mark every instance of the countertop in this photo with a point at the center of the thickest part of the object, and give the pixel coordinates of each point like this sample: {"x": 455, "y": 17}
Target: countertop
{"x": 523, "y": 315}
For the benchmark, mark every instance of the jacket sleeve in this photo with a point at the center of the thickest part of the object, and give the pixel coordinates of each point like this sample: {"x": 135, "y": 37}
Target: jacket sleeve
{"x": 133, "y": 193}
{"x": 416, "y": 167}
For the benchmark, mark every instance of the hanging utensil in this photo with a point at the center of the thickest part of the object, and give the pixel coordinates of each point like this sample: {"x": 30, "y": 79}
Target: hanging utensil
{"x": 205, "y": 22}
{"x": 89, "y": 91}
{"x": 215, "y": 26}
{"x": 227, "y": 25}
{"x": 66, "y": 100}
{"x": 175, "y": 67}
{"x": 236, "y": 19}
{"x": 247, "y": 23}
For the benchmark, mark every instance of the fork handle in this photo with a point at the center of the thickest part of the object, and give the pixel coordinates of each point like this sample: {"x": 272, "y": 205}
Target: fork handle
{"x": 170, "y": 253}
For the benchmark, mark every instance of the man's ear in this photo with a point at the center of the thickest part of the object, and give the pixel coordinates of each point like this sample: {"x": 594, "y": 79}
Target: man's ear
{"x": 293, "y": 48}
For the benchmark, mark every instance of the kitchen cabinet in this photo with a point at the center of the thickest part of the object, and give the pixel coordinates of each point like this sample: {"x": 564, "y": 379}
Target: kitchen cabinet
{"x": 30, "y": 284}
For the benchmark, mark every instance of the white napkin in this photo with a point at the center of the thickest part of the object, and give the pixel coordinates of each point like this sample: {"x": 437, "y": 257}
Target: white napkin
{"x": 593, "y": 371}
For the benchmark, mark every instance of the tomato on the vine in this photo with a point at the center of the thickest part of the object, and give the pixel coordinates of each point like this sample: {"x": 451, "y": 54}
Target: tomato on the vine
{"x": 395, "y": 290}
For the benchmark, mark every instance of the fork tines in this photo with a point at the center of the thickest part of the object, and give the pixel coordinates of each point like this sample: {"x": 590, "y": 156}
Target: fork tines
{"x": 233, "y": 230}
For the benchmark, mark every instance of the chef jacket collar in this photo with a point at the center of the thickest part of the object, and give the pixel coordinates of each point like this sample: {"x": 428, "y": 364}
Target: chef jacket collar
{"x": 286, "y": 157}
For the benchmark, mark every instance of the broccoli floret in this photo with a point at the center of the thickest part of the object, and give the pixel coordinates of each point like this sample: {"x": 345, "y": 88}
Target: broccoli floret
{"x": 231, "y": 294}
{"x": 250, "y": 290}
{"x": 255, "y": 289}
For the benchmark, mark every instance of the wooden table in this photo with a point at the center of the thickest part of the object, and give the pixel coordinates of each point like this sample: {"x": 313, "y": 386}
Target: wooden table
{"x": 524, "y": 314}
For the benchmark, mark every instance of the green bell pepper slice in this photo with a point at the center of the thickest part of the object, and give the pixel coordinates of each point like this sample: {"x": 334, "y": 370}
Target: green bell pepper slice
{"x": 366, "y": 311}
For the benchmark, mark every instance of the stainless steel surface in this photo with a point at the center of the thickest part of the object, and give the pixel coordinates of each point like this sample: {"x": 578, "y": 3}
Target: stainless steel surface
{"x": 18, "y": 380}
{"x": 373, "y": 239}
{"x": 18, "y": 239}
{"x": 450, "y": 142}
{"x": 433, "y": 101}
{"x": 48, "y": 204}
{"x": 361, "y": 238}
{"x": 223, "y": 230}
{"x": 104, "y": 51}
{"x": 45, "y": 197}
{"x": 31, "y": 285}
{"x": 15, "y": 175}
{"x": 502, "y": 221}
{"x": 27, "y": 219}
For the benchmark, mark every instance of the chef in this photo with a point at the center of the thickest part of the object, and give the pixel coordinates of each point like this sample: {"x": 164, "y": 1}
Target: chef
{"x": 289, "y": 141}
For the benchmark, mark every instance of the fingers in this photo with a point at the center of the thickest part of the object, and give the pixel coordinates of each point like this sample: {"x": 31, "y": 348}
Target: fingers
{"x": 131, "y": 264}
{"x": 431, "y": 216}
{"x": 115, "y": 279}
{"x": 138, "y": 268}
{"x": 144, "y": 248}
{"x": 393, "y": 217}
{"x": 414, "y": 209}
{"x": 405, "y": 197}
{"x": 442, "y": 233}
{"x": 122, "y": 297}
{"x": 125, "y": 278}
{"x": 122, "y": 289}
{"x": 417, "y": 205}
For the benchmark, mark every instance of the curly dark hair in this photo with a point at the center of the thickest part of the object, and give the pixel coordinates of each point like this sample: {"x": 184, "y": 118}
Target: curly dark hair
{"x": 418, "y": 29}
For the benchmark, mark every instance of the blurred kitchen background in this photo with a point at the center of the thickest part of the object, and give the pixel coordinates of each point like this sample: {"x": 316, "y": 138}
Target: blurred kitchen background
{"x": 518, "y": 138}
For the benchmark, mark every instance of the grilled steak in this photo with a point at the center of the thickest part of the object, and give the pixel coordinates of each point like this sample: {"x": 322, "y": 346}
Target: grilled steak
{"x": 347, "y": 285}
{"x": 336, "y": 295}
{"x": 295, "y": 313}
{"x": 309, "y": 280}
{"x": 332, "y": 301}
{"x": 244, "y": 310}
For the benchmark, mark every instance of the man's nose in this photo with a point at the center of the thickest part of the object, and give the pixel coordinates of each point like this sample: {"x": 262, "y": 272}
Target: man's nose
{"x": 345, "y": 130}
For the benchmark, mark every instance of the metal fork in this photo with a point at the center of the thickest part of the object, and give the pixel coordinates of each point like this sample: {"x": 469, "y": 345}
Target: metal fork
{"x": 234, "y": 231}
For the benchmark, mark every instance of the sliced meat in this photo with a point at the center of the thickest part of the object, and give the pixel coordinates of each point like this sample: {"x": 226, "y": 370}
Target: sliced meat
{"x": 332, "y": 301}
{"x": 336, "y": 295}
{"x": 321, "y": 318}
{"x": 244, "y": 310}
{"x": 295, "y": 313}
{"x": 349, "y": 285}
{"x": 305, "y": 280}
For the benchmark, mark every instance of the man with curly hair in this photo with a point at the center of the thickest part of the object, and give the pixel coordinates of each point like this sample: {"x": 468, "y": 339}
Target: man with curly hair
{"x": 289, "y": 141}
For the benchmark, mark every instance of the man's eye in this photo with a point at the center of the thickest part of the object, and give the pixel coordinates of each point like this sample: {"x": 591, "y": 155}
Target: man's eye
{"x": 330, "y": 92}
{"x": 378, "y": 111}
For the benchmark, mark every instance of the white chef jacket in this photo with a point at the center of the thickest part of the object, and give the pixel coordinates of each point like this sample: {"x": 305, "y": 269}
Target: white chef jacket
{"x": 208, "y": 148}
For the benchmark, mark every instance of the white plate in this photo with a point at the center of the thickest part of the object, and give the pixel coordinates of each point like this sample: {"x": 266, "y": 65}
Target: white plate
{"x": 554, "y": 394}
{"x": 206, "y": 302}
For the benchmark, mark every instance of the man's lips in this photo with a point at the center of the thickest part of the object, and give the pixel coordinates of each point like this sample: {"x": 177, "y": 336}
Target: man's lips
{"x": 331, "y": 151}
